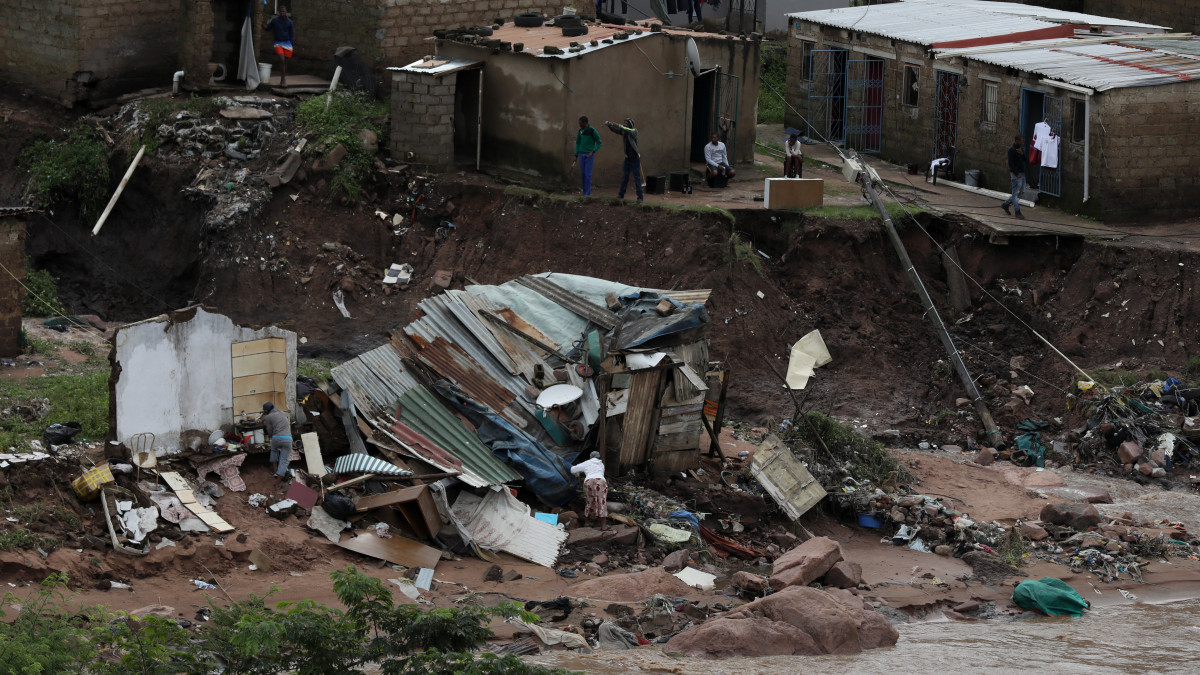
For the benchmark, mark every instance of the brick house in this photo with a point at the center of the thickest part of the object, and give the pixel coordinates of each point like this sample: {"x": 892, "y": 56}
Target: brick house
{"x": 519, "y": 109}
{"x": 91, "y": 51}
{"x": 911, "y": 80}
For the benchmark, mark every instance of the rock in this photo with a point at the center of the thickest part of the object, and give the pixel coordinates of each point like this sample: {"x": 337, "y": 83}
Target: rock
{"x": 164, "y": 611}
{"x": 749, "y": 582}
{"x": 512, "y": 575}
{"x": 1078, "y": 516}
{"x": 1033, "y": 531}
{"x": 616, "y": 507}
{"x": 676, "y": 560}
{"x": 795, "y": 621}
{"x": 956, "y": 616}
{"x": 943, "y": 550}
{"x": 785, "y": 540}
{"x": 985, "y": 457}
{"x": 844, "y": 574}
{"x": 368, "y": 140}
{"x": 1146, "y": 468}
{"x": 966, "y": 607}
{"x": 1128, "y": 451}
{"x": 337, "y": 154}
{"x": 952, "y": 448}
{"x": 494, "y": 573}
{"x": 910, "y": 501}
{"x": 1096, "y": 496}
{"x": 1158, "y": 472}
{"x": 1159, "y": 457}
{"x": 568, "y": 519}
{"x": 593, "y": 569}
{"x": 806, "y": 563}
{"x": 633, "y": 587}
{"x": 282, "y": 509}
{"x": 600, "y": 559}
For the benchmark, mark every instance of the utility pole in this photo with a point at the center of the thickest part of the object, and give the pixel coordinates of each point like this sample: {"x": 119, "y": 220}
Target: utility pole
{"x": 867, "y": 178}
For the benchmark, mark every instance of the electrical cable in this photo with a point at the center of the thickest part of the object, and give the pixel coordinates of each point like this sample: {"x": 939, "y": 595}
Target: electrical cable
{"x": 43, "y": 300}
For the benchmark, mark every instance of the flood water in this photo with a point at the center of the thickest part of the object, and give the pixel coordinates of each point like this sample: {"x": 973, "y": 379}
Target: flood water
{"x": 1135, "y": 638}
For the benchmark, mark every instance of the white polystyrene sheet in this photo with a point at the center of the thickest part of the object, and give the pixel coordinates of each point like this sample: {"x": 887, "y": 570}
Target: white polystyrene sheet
{"x": 807, "y": 354}
{"x": 814, "y": 344}
{"x": 694, "y": 577}
{"x": 618, "y": 402}
{"x": 640, "y": 361}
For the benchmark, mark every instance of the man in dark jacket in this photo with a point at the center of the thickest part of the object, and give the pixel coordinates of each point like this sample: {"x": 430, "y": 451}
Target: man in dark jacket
{"x": 278, "y": 430}
{"x": 633, "y": 158}
{"x": 1016, "y": 168}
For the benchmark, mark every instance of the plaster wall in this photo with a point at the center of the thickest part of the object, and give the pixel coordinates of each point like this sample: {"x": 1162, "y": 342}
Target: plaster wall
{"x": 177, "y": 376}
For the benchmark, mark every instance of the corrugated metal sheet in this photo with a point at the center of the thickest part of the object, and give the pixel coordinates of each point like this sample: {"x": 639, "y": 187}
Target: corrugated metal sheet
{"x": 16, "y": 210}
{"x": 523, "y": 354}
{"x": 922, "y": 23}
{"x": 376, "y": 380}
{"x": 457, "y": 302}
{"x": 1044, "y": 13}
{"x": 1190, "y": 47}
{"x": 601, "y": 316}
{"x": 425, "y": 414}
{"x": 451, "y": 362}
{"x": 442, "y": 67}
{"x": 1097, "y": 66}
{"x": 499, "y": 522}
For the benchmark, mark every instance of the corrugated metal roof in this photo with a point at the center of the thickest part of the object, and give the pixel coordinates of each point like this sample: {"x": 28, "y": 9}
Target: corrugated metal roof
{"x": 499, "y": 522}
{"x": 1046, "y": 14}
{"x": 686, "y": 297}
{"x": 457, "y": 303}
{"x": 523, "y": 354}
{"x": 425, "y": 414}
{"x": 376, "y": 381}
{"x": 438, "y": 67}
{"x": 601, "y": 316}
{"x": 1189, "y": 47}
{"x": 451, "y": 362}
{"x": 1097, "y": 66}
{"x": 16, "y": 210}
{"x": 921, "y": 23}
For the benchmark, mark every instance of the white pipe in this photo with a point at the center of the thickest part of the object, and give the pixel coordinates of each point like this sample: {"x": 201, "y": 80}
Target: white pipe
{"x": 175, "y": 81}
{"x": 337, "y": 75}
{"x": 1087, "y": 146}
{"x": 120, "y": 188}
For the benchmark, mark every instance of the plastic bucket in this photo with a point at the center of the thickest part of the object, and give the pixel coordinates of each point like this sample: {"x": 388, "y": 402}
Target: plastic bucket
{"x": 868, "y": 520}
{"x": 264, "y": 72}
{"x": 973, "y": 177}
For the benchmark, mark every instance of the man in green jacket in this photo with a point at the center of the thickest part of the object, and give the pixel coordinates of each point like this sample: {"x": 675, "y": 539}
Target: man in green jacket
{"x": 587, "y": 142}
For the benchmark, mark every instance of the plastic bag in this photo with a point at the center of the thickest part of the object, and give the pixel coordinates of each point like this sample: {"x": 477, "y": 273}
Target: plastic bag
{"x": 58, "y": 434}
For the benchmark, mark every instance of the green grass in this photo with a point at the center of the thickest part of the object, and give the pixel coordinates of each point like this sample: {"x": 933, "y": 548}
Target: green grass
{"x": 774, "y": 72}
{"x": 74, "y": 169}
{"x": 1115, "y": 378}
{"x": 349, "y": 113}
{"x": 163, "y": 109}
{"x": 79, "y": 397}
{"x": 14, "y": 540}
{"x": 743, "y": 251}
{"x": 317, "y": 369}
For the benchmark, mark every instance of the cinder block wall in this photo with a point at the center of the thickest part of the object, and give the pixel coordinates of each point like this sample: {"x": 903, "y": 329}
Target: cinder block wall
{"x": 12, "y": 255}
{"x": 423, "y": 119}
{"x": 39, "y": 45}
{"x": 390, "y": 32}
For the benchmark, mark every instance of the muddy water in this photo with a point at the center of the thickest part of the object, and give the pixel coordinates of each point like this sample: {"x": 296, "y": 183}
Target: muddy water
{"x": 1137, "y": 638}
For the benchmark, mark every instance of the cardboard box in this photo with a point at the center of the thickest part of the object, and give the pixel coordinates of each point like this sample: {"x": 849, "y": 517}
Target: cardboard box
{"x": 791, "y": 193}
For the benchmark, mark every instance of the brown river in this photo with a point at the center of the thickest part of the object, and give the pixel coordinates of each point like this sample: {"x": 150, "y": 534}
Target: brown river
{"x": 1133, "y": 638}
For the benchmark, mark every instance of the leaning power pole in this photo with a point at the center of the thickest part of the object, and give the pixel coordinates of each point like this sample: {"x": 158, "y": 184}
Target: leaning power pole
{"x": 856, "y": 170}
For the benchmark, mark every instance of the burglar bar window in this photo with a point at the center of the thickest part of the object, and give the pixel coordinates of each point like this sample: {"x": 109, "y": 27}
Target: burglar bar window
{"x": 991, "y": 102}
{"x": 912, "y": 84}
{"x": 1078, "y": 121}
{"x": 806, "y": 50}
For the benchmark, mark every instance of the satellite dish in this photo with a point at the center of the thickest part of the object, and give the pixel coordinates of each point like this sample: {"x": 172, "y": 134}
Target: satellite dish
{"x": 693, "y": 57}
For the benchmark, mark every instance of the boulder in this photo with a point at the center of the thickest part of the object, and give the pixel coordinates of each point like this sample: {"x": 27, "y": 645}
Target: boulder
{"x": 1146, "y": 468}
{"x": 1033, "y": 531}
{"x": 985, "y": 457}
{"x": 633, "y": 587}
{"x": 493, "y": 573}
{"x": 1078, "y": 516}
{"x": 676, "y": 560}
{"x": 795, "y": 621}
{"x": 1128, "y": 451}
{"x": 749, "y": 582}
{"x": 806, "y": 563}
{"x": 844, "y": 574}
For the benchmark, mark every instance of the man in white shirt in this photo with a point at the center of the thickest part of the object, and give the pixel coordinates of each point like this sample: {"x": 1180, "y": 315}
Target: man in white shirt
{"x": 793, "y": 157}
{"x": 717, "y": 158}
{"x": 595, "y": 490}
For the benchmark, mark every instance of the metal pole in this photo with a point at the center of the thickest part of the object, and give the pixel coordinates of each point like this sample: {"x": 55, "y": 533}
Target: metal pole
{"x": 479, "y": 123}
{"x": 985, "y": 416}
{"x": 1087, "y": 146}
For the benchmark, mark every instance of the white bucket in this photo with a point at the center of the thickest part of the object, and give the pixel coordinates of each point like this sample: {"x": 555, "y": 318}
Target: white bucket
{"x": 264, "y": 72}
{"x": 973, "y": 177}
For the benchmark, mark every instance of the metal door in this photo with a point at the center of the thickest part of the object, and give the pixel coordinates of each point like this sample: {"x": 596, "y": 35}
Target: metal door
{"x": 864, "y": 104}
{"x": 1051, "y": 178}
{"x": 945, "y": 114}
{"x": 725, "y": 112}
{"x": 827, "y": 95}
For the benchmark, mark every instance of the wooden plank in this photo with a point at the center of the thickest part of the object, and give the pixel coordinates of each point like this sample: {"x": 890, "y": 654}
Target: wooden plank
{"x": 676, "y": 425}
{"x": 312, "y": 453}
{"x": 397, "y": 550}
{"x": 414, "y": 503}
{"x": 784, "y": 478}
{"x": 681, "y": 441}
{"x": 255, "y": 384}
{"x": 674, "y": 411}
{"x": 186, "y": 496}
{"x": 257, "y": 364}
{"x": 255, "y": 347}
{"x": 174, "y": 480}
{"x": 639, "y": 417}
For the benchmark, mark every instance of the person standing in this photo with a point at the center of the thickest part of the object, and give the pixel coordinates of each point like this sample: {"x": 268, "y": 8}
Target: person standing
{"x": 1016, "y": 169}
{"x": 595, "y": 490}
{"x": 279, "y": 430}
{"x": 693, "y": 10}
{"x": 633, "y": 158}
{"x": 793, "y": 157}
{"x": 284, "y": 32}
{"x": 587, "y": 142}
{"x": 717, "y": 157}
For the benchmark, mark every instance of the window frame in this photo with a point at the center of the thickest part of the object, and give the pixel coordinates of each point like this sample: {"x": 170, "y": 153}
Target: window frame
{"x": 906, "y": 87}
{"x": 807, "y": 47}
{"x": 994, "y": 107}
{"x": 1078, "y": 134}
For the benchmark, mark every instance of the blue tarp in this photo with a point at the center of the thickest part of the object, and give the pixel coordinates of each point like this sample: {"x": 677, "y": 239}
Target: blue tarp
{"x": 641, "y": 324}
{"x": 545, "y": 473}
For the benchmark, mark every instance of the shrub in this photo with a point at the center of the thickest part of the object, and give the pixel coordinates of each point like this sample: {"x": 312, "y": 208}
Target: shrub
{"x": 73, "y": 169}
{"x": 349, "y": 113}
{"x": 41, "y": 296}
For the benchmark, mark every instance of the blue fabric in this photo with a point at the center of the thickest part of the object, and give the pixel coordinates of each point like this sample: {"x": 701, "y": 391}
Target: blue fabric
{"x": 1018, "y": 186}
{"x": 643, "y": 325}
{"x": 283, "y": 29}
{"x": 631, "y": 167}
{"x": 585, "y": 171}
{"x": 545, "y": 473}
{"x": 686, "y": 515}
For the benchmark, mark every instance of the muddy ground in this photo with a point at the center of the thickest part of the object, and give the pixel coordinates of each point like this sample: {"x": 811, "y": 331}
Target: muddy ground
{"x": 1106, "y": 306}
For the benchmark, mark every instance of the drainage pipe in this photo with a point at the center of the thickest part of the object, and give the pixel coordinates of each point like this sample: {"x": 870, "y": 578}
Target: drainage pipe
{"x": 175, "y": 81}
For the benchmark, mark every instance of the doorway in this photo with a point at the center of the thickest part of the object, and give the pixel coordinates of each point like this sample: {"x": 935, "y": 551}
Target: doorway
{"x": 702, "y": 113}
{"x": 827, "y": 95}
{"x": 468, "y": 92}
{"x": 864, "y": 106}
{"x": 945, "y": 115}
{"x": 1039, "y": 108}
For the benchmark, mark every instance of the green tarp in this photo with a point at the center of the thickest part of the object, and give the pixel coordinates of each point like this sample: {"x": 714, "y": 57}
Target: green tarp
{"x": 1050, "y": 596}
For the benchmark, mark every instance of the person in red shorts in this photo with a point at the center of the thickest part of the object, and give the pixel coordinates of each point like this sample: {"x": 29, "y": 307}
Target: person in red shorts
{"x": 284, "y": 32}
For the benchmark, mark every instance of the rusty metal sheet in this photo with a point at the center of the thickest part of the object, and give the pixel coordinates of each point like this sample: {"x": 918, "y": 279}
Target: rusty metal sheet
{"x": 397, "y": 550}
{"x": 601, "y": 316}
{"x": 640, "y": 416}
{"x": 451, "y": 362}
{"x": 524, "y": 355}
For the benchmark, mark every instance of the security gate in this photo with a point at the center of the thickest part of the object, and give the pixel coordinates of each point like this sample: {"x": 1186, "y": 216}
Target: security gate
{"x": 725, "y": 112}
{"x": 827, "y": 95}
{"x": 945, "y": 115}
{"x": 864, "y": 105}
{"x": 1051, "y": 177}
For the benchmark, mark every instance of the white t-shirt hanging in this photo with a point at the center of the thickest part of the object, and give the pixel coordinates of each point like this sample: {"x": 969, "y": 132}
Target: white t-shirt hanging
{"x": 1041, "y": 131}
{"x": 1050, "y": 151}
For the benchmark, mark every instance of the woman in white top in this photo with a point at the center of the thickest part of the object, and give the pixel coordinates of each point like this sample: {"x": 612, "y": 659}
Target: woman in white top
{"x": 793, "y": 159}
{"x": 595, "y": 490}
